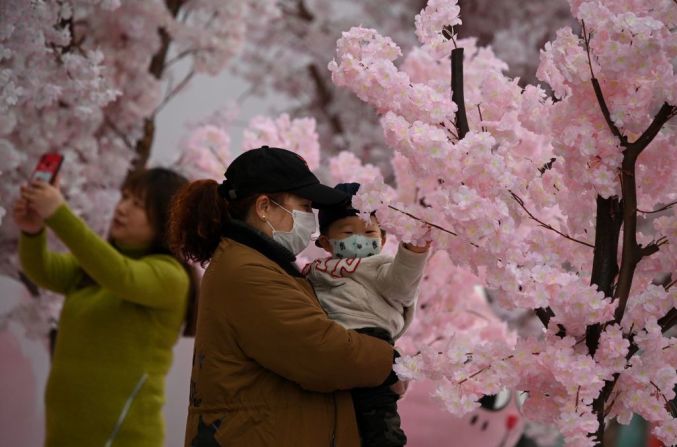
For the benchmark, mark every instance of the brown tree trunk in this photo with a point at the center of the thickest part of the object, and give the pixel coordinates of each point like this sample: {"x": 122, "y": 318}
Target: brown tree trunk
{"x": 156, "y": 68}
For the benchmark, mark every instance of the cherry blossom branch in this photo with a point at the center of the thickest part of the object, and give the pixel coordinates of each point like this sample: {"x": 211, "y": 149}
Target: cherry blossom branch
{"x": 302, "y": 12}
{"x": 156, "y": 68}
{"x": 665, "y": 113}
{"x": 544, "y": 314}
{"x": 453, "y": 134}
{"x": 118, "y": 132}
{"x": 632, "y": 253}
{"x": 174, "y": 91}
{"x": 653, "y": 247}
{"x": 608, "y": 222}
{"x": 668, "y": 321}
{"x": 668, "y": 404}
{"x": 486, "y": 368}
{"x": 448, "y": 33}
{"x": 611, "y": 404}
{"x": 325, "y": 96}
{"x": 669, "y": 205}
{"x": 457, "y": 95}
{"x": 598, "y": 90}
{"x": 479, "y": 110}
{"x": 545, "y": 225}
{"x": 422, "y": 220}
{"x": 667, "y": 286}
{"x": 183, "y": 54}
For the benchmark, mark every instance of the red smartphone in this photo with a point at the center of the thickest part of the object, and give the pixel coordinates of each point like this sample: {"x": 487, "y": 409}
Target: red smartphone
{"x": 48, "y": 167}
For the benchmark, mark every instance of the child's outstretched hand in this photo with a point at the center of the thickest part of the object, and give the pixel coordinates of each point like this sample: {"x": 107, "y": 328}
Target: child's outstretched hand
{"x": 421, "y": 248}
{"x": 418, "y": 248}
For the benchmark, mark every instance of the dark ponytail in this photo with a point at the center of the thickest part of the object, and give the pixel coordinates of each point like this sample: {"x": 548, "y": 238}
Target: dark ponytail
{"x": 199, "y": 214}
{"x": 197, "y": 218}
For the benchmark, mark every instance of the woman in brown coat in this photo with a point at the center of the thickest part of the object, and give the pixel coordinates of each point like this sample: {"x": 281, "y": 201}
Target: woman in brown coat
{"x": 269, "y": 367}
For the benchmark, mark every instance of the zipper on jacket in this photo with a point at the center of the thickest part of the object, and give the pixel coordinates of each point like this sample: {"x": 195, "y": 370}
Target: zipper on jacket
{"x": 125, "y": 409}
{"x": 333, "y": 430}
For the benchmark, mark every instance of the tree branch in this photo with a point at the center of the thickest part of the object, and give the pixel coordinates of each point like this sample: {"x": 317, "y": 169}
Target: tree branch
{"x": 422, "y": 221}
{"x": 107, "y": 121}
{"x": 457, "y": 96}
{"x": 668, "y": 321}
{"x": 545, "y": 225}
{"x": 598, "y": 90}
{"x": 180, "y": 86}
{"x": 544, "y": 314}
{"x": 665, "y": 113}
{"x": 669, "y": 205}
{"x": 608, "y": 223}
{"x": 325, "y": 97}
{"x": 668, "y": 404}
{"x": 184, "y": 53}
{"x": 156, "y": 68}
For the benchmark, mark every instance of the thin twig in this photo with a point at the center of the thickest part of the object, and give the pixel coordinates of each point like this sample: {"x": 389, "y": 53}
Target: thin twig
{"x": 450, "y": 131}
{"x": 175, "y": 91}
{"x": 477, "y": 373}
{"x": 183, "y": 54}
{"x": 611, "y": 405}
{"x": 669, "y": 205}
{"x": 422, "y": 221}
{"x": 545, "y": 225}
{"x": 668, "y": 404}
{"x": 598, "y": 91}
{"x": 479, "y": 110}
{"x": 448, "y": 33}
{"x": 118, "y": 132}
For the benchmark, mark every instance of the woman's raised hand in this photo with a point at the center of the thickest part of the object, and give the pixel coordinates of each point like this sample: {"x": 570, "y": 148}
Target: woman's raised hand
{"x": 26, "y": 218}
{"x": 42, "y": 198}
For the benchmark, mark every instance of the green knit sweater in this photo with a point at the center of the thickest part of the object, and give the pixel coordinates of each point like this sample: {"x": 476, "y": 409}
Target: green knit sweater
{"x": 116, "y": 333}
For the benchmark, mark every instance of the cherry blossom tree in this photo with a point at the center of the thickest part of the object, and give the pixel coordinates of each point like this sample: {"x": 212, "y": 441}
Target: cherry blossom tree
{"x": 533, "y": 194}
{"x": 88, "y": 77}
{"x": 288, "y": 57}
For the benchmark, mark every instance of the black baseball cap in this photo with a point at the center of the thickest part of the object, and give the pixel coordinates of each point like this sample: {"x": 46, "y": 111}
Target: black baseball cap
{"x": 329, "y": 215}
{"x": 270, "y": 170}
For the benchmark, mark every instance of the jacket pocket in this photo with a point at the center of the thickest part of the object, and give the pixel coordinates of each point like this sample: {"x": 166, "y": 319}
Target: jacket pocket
{"x": 247, "y": 426}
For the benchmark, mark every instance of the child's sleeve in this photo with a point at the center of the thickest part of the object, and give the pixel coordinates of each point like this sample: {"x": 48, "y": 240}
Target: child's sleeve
{"x": 398, "y": 281}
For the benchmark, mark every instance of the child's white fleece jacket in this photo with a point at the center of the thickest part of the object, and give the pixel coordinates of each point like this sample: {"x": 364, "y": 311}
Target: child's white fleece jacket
{"x": 378, "y": 291}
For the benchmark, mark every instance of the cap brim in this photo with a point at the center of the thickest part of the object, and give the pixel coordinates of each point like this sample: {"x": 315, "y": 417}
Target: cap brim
{"x": 321, "y": 195}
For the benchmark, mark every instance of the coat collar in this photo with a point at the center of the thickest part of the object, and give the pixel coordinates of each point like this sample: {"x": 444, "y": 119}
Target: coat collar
{"x": 267, "y": 246}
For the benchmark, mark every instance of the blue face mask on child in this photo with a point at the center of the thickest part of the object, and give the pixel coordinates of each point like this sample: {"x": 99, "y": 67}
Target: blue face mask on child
{"x": 356, "y": 246}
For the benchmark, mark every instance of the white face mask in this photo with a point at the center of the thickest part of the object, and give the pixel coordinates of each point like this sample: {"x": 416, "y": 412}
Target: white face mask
{"x": 298, "y": 238}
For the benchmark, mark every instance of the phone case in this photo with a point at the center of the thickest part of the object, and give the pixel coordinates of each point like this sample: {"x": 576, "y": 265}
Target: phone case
{"x": 48, "y": 167}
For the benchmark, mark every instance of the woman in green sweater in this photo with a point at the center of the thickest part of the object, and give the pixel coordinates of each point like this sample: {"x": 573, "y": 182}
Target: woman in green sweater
{"x": 126, "y": 301}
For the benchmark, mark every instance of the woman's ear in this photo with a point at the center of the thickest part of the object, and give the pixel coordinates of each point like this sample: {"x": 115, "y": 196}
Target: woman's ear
{"x": 323, "y": 242}
{"x": 384, "y": 238}
{"x": 261, "y": 207}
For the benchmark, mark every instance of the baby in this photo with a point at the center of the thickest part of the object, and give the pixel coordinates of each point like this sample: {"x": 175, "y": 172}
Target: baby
{"x": 371, "y": 293}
